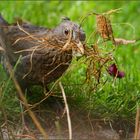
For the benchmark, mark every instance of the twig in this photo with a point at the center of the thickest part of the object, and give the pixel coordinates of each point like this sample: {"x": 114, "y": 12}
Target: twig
{"x": 137, "y": 123}
{"x": 67, "y": 110}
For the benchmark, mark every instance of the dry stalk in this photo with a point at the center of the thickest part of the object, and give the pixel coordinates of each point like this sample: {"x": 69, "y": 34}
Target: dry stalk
{"x": 104, "y": 28}
{"x": 137, "y": 124}
{"x": 39, "y": 47}
{"x": 86, "y": 16}
{"x": 33, "y": 49}
{"x": 83, "y": 18}
{"x": 26, "y": 136}
{"x": 19, "y": 91}
{"x": 48, "y": 94}
{"x": 93, "y": 34}
{"x": 30, "y": 49}
{"x": 67, "y": 110}
{"x": 21, "y": 38}
{"x": 30, "y": 62}
{"x": 55, "y": 68}
{"x": 95, "y": 61}
{"x": 90, "y": 122}
{"x": 29, "y": 137}
{"x": 122, "y": 41}
{"x": 31, "y": 36}
{"x": 36, "y": 104}
{"x": 112, "y": 11}
{"x": 32, "y": 115}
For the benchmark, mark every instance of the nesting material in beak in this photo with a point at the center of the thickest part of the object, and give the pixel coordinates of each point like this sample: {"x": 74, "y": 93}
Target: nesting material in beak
{"x": 2, "y": 49}
{"x": 80, "y": 47}
{"x": 79, "y": 51}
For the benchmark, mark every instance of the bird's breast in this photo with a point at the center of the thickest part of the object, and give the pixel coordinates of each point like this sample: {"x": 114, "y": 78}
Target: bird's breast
{"x": 44, "y": 66}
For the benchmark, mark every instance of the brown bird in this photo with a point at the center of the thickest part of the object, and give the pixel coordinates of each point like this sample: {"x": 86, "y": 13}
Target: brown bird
{"x": 43, "y": 54}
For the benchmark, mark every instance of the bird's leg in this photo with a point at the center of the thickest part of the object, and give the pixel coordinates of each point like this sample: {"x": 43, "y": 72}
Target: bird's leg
{"x": 46, "y": 91}
{"x": 54, "y": 101}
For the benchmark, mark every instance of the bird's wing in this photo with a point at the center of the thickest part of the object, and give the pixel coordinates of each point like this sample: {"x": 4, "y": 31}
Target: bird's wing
{"x": 21, "y": 38}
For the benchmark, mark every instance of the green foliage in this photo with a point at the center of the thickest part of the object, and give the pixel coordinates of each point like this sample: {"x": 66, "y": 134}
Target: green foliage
{"x": 112, "y": 100}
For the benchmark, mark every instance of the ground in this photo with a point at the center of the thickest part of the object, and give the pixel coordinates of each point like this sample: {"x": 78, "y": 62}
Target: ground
{"x": 113, "y": 102}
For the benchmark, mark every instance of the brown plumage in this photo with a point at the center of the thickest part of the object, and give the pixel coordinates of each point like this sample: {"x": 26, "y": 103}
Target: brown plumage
{"x": 45, "y": 53}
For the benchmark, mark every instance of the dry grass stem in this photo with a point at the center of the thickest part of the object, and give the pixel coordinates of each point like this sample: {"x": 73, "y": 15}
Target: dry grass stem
{"x": 137, "y": 124}
{"x": 121, "y": 41}
{"x": 104, "y": 28}
{"x": 22, "y": 38}
{"x": 67, "y": 110}
{"x": 44, "y": 43}
{"x": 31, "y": 57}
{"x": 19, "y": 91}
{"x": 48, "y": 94}
{"x": 112, "y": 11}
{"x": 29, "y": 35}
{"x": 32, "y": 115}
{"x": 29, "y": 137}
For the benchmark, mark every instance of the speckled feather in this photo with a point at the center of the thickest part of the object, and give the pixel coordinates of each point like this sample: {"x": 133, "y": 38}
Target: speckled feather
{"x": 49, "y": 60}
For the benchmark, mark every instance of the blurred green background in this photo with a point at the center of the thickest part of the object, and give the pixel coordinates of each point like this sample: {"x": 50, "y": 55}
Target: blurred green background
{"x": 111, "y": 101}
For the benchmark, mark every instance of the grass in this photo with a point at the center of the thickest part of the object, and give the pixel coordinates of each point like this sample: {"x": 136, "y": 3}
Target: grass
{"x": 111, "y": 101}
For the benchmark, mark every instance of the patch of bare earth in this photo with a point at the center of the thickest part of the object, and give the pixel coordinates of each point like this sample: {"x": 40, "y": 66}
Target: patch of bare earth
{"x": 54, "y": 122}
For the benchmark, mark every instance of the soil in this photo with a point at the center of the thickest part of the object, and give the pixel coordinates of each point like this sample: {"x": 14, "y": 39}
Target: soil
{"x": 53, "y": 119}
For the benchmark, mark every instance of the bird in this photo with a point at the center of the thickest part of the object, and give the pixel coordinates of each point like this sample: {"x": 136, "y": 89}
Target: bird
{"x": 43, "y": 54}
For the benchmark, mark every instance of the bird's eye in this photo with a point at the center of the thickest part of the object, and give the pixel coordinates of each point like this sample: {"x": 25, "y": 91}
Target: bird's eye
{"x": 66, "y": 32}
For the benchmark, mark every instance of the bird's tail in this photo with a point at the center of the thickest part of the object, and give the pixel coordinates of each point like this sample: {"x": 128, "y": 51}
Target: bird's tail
{"x": 4, "y": 44}
{"x": 3, "y": 24}
{"x": 3, "y": 40}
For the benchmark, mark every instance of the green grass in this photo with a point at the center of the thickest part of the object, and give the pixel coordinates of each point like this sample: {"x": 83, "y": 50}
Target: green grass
{"x": 111, "y": 101}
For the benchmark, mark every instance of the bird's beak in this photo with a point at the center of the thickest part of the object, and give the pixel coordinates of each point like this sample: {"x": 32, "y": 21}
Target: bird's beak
{"x": 80, "y": 47}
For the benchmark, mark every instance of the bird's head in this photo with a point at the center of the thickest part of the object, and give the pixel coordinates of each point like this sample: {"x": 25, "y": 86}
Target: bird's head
{"x": 71, "y": 32}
